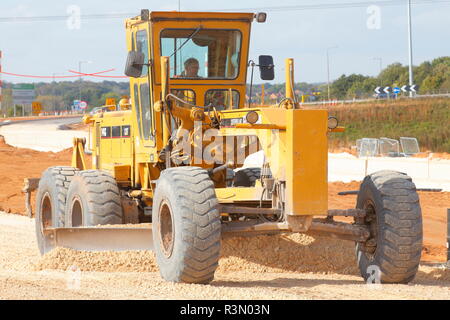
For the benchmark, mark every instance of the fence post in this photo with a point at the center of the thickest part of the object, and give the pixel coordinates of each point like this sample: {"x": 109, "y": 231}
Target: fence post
{"x": 365, "y": 166}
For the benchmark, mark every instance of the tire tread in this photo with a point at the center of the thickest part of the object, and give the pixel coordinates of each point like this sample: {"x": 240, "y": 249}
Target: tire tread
{"x": 401, "y": 246}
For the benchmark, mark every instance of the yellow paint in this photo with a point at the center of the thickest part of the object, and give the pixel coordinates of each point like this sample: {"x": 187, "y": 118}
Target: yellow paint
{"x": 110, "y": 151}
{"x": 78, "y": 160}
{"x": 122, "y": 173}
{"x": 289, "y": 65}
{"x": 231, "y": 195}
{"x": 306, "y": 162}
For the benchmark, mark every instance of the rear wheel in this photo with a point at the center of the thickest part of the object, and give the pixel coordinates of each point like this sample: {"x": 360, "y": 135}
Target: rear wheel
{"x": 394, "y": 218}
{"x": 51, "y": 201}
{"x": 186, "y": 225}
{"x": 93, "y": 199}
{"x": 246, "y": 177}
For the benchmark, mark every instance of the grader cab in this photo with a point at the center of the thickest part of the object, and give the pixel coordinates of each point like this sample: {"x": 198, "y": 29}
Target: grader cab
{"x": 174, "y": 173}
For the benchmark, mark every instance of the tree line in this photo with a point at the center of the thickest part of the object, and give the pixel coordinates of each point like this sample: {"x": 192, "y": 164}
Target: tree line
{"x": 59, "y": 96}
{"x": 431, "y": 77}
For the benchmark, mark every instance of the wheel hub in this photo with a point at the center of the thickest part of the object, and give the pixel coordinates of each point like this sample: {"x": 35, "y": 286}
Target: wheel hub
{"x": 77, "y": 212}
{"x": 370, "y": 220}
{"x": 46, "y": 212}
{"x": 166, "y": 229}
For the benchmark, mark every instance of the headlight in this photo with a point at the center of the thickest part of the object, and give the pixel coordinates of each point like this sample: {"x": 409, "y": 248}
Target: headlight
{"x": 332, "y": 122}
{"x": 252, "y": 117}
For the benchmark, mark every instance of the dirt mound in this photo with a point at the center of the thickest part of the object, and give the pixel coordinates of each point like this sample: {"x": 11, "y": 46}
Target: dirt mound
{"x": 17, "y": 164}
{"x": 438, "y": 273}
{"x": 434, "y": 253}
{"x": 279, "y": 253}
{"x": 290, "y": 252}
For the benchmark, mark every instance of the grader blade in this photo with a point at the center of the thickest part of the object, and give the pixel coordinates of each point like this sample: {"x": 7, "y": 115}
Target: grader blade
{"x": 100, "y": 239}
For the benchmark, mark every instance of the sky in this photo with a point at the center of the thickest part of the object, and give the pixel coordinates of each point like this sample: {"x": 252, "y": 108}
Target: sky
{"x": 54, "y": 46}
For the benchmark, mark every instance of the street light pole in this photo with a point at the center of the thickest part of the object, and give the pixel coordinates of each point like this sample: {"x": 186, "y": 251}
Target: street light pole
{"x": 411, "y": 78}
{"x": 328, "y": 70}
{"x": 79, "y": 87}
{"x": 79, "y": 70}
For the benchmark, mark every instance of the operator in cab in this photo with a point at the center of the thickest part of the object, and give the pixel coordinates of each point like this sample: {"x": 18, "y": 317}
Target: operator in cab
{"x": 191, "y": 68}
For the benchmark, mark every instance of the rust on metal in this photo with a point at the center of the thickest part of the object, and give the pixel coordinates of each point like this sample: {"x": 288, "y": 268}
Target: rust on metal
{"x": 339, "y": 230}
{"x": 357, "y": 213}
{"x": 249, "y": 210}
{"x": 29, "y": 185}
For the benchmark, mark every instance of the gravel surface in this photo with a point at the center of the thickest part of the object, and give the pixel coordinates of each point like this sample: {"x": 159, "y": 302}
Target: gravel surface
{"x": 291, "y": 266}
{"x": 269, "y": 267}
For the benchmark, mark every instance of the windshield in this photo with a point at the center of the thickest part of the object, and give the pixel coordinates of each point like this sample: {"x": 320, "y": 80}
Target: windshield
{"x": 210, "y": 53}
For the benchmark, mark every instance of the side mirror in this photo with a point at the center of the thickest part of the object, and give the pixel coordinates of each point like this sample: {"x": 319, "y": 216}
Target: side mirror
{"x": 261, "y": 17}
{"x": 266, "y": 67}
{"x": 135, "y": 62}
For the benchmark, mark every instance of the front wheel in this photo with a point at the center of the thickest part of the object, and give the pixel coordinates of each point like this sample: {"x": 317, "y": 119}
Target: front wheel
{"x": 394, "y": 218}
{"x": 186, "y": 225}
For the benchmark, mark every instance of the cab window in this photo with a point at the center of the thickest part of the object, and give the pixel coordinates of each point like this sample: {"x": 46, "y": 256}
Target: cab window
{"x": 187, "y": 95}
{"x": 138, "y": 107}
{"x": 222, "y": 99}
{"x": 142, "y": 46}
{"x": 146, "y": 112}
{"x": 202, "y": 53}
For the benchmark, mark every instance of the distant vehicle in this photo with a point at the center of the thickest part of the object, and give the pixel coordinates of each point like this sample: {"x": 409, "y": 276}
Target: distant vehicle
{"x": 384, "y": 95}
{"x": 99, "y": 110}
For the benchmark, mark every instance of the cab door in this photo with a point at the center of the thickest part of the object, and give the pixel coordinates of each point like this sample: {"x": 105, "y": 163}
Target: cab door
{"x": 142, "y": 88}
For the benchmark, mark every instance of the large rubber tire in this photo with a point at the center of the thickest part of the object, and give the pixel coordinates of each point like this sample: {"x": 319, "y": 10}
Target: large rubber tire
{"x": 394, "y": 218}
{"x": 246, "y": 177}
{"x": 186, "y": 225}
{"x": 93, "y": 199}
{"x": 51, "y": 201}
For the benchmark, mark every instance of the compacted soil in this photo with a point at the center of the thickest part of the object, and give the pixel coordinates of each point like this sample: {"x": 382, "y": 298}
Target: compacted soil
{"x": 286, "y": 266}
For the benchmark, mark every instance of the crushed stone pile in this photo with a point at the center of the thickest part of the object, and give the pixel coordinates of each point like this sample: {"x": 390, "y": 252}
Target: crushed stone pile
{"x": 107, "y": 261}
{"x": 275, "y": 254}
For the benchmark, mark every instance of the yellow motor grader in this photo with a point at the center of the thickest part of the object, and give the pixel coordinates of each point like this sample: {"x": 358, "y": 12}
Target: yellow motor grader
{"x": 188, "y": 160}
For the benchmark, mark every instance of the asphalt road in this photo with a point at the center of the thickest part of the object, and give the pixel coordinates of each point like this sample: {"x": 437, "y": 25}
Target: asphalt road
{"x": 41, "y": 134}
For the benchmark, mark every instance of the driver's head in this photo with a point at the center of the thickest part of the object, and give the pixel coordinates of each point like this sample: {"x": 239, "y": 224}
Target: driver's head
{"x": 220, "y": 98}
{"x": 191, "y": 67}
